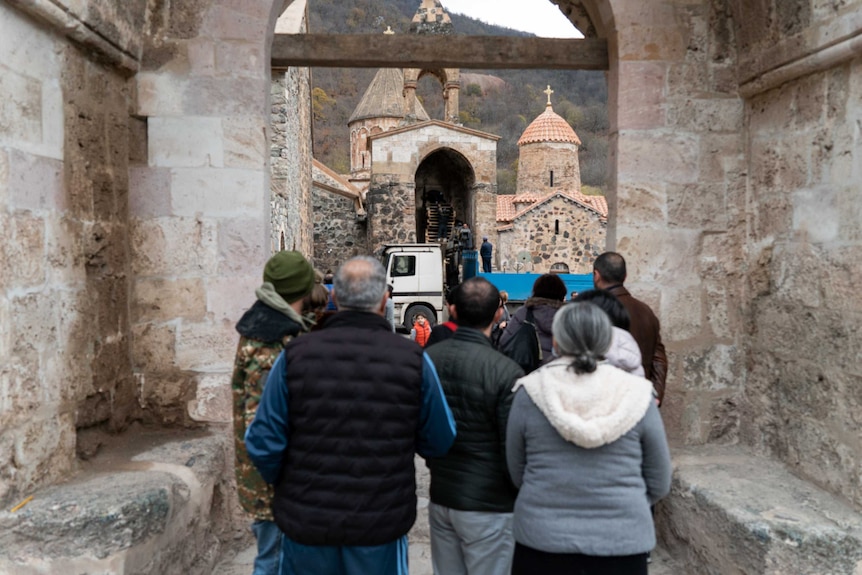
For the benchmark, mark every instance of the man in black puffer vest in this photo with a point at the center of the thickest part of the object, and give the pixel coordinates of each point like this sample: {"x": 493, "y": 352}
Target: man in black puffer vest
{"x": 343, "y": 413}
{"x": 472, "y": 497}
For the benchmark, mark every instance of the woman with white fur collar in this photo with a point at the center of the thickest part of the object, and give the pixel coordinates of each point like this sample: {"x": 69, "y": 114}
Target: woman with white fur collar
{"x": 586, "y": 446}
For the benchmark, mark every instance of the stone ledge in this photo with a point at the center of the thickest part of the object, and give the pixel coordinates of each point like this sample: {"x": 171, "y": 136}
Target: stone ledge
{"x": 732, "y": 512}
{"x": 149, "y": 506}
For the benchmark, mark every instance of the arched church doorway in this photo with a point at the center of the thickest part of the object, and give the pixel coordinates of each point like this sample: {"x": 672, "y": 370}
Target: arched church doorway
{"x": 444, "y": 194}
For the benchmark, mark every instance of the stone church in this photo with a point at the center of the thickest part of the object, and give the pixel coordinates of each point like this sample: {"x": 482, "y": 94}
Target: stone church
{"x": 413, "y": 177}
{"x": 549, "y": 225}
{"x": 149, "y": 167}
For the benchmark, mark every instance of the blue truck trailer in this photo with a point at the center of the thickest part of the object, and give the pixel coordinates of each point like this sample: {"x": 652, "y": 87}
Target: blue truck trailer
{"x": 520, "y": 286}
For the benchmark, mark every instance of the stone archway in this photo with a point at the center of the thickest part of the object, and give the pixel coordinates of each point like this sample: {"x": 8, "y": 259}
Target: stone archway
{"x": 444, "y": 192}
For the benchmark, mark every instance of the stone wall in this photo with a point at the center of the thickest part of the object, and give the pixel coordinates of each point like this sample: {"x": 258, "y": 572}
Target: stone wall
{"x": 398, "y": 154}
{"x": 201, "y": 216}
{"x": 803, "y": 401}
{"x": 391, "y": 209}
{"x": 338, "y": 234}
{"x": 677, "y": 198}
{"x": 557, "y": 230}
{"x": 64, "y": 259}
{"x": 537, "y": 161}
{"x": 290, "y": 152}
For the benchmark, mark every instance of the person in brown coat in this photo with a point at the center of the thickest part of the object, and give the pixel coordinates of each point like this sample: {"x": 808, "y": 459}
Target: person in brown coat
{"x": 609, "y": 273}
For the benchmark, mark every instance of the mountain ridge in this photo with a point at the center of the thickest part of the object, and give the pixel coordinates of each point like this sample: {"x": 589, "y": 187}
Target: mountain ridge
{"x": 502, "y": 102}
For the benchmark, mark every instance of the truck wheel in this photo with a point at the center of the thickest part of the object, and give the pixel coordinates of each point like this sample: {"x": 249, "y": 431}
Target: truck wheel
{"x": 415, "y": 310}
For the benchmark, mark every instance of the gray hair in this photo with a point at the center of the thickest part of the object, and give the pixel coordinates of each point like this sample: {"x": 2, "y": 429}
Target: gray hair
{"x": 583, "y": 332}
{"x": 359, "y": 284}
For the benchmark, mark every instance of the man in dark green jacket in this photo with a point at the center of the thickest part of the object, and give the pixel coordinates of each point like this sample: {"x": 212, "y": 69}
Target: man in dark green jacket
{"x": 472, "y": 497}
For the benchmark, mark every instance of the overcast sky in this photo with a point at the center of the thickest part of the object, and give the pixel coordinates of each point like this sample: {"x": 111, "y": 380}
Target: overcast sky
{"x": 537, "y": 16}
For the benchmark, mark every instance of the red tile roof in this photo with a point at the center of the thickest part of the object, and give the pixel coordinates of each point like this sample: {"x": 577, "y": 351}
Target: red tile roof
{"x": 510, "y": 207}
{"x": 549, "y": 127}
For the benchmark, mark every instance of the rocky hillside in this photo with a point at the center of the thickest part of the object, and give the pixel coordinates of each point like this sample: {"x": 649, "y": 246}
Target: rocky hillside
{"x": 501, "y": 102}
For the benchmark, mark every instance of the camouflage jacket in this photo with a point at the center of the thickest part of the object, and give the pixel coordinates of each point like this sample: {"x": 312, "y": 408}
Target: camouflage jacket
{"x": 264, "y": 333}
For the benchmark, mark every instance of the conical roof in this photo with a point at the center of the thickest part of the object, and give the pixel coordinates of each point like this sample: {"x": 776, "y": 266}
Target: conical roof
{"x": 384, "y": 99}
{"x": 549, "y": 127}
{"x": 431, "y": 18}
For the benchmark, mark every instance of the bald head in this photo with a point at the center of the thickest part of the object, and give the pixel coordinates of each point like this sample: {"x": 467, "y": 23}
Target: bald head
{"x": 477, "y": 302}
{"x": 609, "y": 269}
{"x": 360, "y": 285}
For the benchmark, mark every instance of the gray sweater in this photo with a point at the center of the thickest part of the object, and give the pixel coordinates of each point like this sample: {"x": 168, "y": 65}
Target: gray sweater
{"x": 590, "y": 456}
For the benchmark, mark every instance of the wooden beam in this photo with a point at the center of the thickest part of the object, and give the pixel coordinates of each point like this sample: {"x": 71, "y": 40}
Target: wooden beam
{"x": 425, "y": 51}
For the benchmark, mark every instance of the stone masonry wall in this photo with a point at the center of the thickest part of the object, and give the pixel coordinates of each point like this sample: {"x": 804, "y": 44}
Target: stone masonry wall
{"x": 201, "y": 211}
{"x": 64, "y": 271}
{"x": 804, "y": 395}
{"x": 580, "y": 240}
{"x": 290, "y": 152}
{"x": 391, "y": 212}
{"x": 396, "y": 158}
{"x": 338, "y": 234}
{"x": 677, "y": 199}
{"x": 537, "y": 161}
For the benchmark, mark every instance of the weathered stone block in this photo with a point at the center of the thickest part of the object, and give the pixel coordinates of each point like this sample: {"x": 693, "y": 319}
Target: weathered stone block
{"x": 244, "y": 142}
{"x": 36, "y": 183}
{"x": 174, "y": 246}
{"x": 654, "y": 256}
{"x": 44, "y": 450}
{"x": 225, "y": 96}
{"x": 652, "y": 158}
{"x": 229, "y": 297}
{"x": 186, "y": 142}
{"x": 26, "y": 48}
{"x": 641, "y": 95}
{"x": 153, "y": 351}
{"x": 235, "y": 24}
{"x": 708, "y": 115}
{"x": 206, "y": 347}
{"x": 698, "y": 206}
{"x": 25, "y": 250}
{"x": 242, "y": 247}
{"x": 217, "y": 193}
{"x": 20, "y": 107}
{"x": 213, "y": 402}
{"x": 734, "y": 512}
{"x": 681, "y": 312}
{"x": 149, "y": 192}
{"x": 160, "y": 93}
{"x": 237, "y": 59}
{"x": 652, "y": 42}
{"x": 161, "y": 300}
{"x": 201, "y": 55}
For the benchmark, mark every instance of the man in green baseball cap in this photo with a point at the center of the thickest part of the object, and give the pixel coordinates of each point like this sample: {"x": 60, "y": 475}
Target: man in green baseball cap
{"x": 273, "y": 320}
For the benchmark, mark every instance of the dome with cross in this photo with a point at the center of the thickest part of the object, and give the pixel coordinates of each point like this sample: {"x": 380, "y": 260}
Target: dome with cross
{"x": 549, "y": 127}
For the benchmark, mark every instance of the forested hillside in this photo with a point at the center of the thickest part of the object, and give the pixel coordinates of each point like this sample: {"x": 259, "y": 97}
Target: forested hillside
{"x": 504, "y": 107}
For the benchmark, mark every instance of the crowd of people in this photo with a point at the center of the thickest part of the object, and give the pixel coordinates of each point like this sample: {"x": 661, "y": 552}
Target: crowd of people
{"x": 552, "y": 469}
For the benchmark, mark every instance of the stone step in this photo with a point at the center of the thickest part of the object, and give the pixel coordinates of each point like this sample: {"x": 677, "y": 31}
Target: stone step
{"x": 731, "y": 512}
{"x": 151, "y": 505}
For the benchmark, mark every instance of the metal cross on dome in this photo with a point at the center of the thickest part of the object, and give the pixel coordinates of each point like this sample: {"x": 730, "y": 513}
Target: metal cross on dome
{"x": 548, "y": 92}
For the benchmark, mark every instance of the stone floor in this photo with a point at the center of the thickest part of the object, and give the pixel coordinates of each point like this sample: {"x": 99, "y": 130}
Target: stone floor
{"x": 420, "y": 562}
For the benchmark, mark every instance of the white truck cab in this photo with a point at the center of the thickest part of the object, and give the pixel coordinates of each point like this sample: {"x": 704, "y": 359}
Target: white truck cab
{"x": 415, "y": 271}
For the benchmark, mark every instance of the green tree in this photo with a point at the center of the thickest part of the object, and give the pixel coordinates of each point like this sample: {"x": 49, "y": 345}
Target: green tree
{"x": 320, "y": 103}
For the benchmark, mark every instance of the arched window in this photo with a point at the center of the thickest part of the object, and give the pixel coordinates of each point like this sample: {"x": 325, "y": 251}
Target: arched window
{"x": 560, "y": 268}
{"x": 556, "y": 227}
{"x": 552, "y": 178}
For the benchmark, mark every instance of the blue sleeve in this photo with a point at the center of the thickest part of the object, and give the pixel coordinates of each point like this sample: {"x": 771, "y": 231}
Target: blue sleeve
{"x": 436, "y": 425}
{"x": 266, "y": 437}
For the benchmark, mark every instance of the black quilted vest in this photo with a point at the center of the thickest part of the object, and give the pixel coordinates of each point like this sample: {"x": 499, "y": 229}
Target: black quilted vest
{"x": 354, "y": 397}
